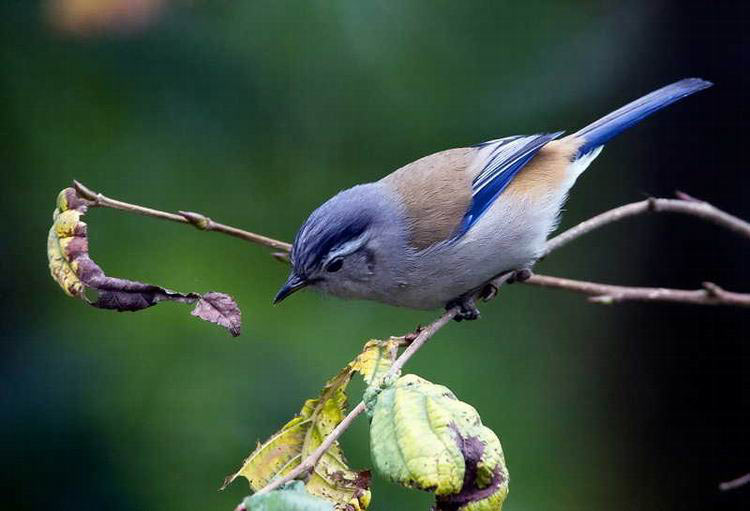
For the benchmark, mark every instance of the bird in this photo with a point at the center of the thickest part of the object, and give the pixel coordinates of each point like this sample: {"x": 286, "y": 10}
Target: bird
{"x": 436, "y": 232}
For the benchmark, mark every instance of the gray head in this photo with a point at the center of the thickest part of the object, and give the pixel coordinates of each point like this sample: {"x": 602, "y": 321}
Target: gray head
{"x": 346, "y": 243}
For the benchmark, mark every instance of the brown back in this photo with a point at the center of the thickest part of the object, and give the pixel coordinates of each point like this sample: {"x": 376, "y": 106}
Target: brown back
{"x": 436, "y": 190}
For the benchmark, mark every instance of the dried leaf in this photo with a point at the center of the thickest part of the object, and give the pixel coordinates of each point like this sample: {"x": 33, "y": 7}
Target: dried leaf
{"x": 75, "y": 272}
{"x": 422, "y": 437}
{"x": 292, "y": 497}
{"x": 221, "y": 309}
{"x": 332, "y": 478}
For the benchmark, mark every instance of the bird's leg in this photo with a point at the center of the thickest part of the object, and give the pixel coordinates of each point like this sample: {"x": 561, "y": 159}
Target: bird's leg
{"x": 491, "y": 288}
{"x": 467, "y": 307}
{"x": 489, "y": 291}
{"x": 466, "y": 303}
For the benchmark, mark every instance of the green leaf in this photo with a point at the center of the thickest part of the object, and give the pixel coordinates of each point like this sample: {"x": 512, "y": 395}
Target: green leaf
{"x": 332, "y": 478}
{"x": 75, "y": 272}
{"x": 422, "y": 436}
{"x": 293, "y": 497}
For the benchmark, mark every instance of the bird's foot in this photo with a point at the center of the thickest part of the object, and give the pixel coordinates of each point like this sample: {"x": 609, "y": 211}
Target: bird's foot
{"x": 520, "y": 275}
{"x": 491, "y": 288}
{"x": 412, "y": 336}
{"x": 488, "y": 291}
{"x": 467, "y": 308}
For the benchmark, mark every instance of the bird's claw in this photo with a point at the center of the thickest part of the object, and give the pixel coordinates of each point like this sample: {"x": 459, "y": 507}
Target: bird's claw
{"x": 520, "y": 276}
{"x": 488, "y": 292}
{"x": 412, "y": 336}
{"x": 467, "y": 308}
{"x": 491, "y": 288}
{"x": 466, "y": 304}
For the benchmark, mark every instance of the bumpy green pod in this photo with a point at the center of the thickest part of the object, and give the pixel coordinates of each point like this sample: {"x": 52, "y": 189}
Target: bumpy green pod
{"x": 422, "y": 436}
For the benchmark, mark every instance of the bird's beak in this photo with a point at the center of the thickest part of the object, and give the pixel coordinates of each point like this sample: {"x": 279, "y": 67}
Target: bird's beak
{"x": 292, "y": 284}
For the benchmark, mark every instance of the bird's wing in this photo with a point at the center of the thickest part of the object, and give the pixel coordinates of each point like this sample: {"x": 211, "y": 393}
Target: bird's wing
{"x": 497, "y": 162}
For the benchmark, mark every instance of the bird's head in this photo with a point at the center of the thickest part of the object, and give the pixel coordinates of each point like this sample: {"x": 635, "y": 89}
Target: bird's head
{"x": 343, "y": 244}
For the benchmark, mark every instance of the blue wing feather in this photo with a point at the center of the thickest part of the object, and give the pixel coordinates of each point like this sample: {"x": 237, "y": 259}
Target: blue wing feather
{"x": 506, "y": 158}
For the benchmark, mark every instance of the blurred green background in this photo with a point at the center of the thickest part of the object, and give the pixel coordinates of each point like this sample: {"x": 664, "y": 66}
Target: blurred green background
{"x": 254, "y": 113}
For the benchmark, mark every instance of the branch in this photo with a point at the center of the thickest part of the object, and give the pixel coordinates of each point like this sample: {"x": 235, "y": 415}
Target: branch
{"x": 198, "y": 220}
{"x": 735, "y": 483}
{"x": 683, "y": 204}
{"x": 711, "y": 294}
{"x": 308, "y": 464}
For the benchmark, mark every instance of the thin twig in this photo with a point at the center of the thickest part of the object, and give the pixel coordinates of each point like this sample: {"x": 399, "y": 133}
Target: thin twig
{"x": 198, "y": 220}
{"x": 735, "y": 483}
{"x": 684, "y": 204}
{"x": 711, "y": 294}
{"x": 308, "y": 464}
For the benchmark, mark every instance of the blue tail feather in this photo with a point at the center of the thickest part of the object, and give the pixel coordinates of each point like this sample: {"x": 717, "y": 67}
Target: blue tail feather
{"x": 602, "y": 131}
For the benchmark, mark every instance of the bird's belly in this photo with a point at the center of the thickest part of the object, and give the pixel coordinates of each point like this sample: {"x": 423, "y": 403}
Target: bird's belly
{"x": 502, "y": 241}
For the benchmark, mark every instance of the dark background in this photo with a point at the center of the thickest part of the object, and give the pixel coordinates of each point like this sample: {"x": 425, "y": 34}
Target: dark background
{"x": 254, "y": 113}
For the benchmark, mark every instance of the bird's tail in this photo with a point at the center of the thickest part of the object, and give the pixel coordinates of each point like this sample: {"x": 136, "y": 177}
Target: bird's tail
{"x": 600, "y": 132}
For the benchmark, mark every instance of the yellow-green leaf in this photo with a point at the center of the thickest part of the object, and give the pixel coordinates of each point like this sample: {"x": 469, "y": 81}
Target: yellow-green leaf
{"x": 332, "y": 478}
{"x": 376, "y": 359}
{"x": 422, "y": 436}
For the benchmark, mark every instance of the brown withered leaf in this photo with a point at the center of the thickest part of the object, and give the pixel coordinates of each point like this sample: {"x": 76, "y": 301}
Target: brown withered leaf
{"x": 76, "y": 273}
{"x": 221, "y": 309}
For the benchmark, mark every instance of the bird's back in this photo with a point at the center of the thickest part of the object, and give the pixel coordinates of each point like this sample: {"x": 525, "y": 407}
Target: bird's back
{"x": 437, "y": 190}
{"x": 436, "y": 193}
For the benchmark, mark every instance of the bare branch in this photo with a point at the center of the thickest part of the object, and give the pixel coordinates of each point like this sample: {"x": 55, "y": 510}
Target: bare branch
{"x": 201, "y": 222}
{"x": 711, "y": 294}
{"x": 308, "y": 464}
{"x": 735, "y": 483}
{"x": 684, "y": 204}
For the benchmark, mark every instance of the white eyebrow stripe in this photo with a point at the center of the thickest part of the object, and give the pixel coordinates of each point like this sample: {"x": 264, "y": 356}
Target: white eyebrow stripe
{"x": 346, "y": 248}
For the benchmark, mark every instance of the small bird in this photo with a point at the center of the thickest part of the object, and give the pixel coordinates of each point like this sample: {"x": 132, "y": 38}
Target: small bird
{"x": 437, "y": 231}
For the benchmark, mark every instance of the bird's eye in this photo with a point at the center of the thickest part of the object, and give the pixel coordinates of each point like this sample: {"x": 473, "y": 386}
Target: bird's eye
{"x": 335, "y": 265}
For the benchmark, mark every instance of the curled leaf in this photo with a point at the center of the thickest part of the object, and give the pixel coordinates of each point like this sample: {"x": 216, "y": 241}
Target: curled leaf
{"x": 76, "y": 273}
{"x": 332, "y": 478}
{"x": 292, "y": 497}
{"x": 422, "y": 436}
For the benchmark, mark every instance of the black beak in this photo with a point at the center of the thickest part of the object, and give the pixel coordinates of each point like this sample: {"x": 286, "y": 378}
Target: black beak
{"x": 292, "y": 284}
